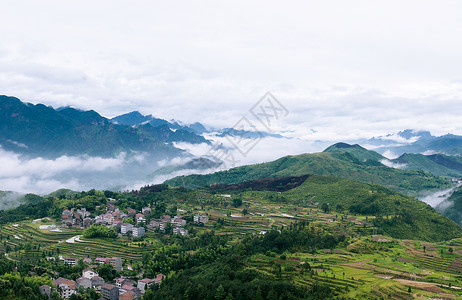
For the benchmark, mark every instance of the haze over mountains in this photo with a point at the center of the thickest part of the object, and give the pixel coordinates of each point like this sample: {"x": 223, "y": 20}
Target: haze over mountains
{"x": 44, "y": 149}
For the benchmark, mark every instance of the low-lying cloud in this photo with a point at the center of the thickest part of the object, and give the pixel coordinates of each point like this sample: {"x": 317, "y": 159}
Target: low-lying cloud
{"x": 393, "y": 165}
{"x": 42, "y": 175}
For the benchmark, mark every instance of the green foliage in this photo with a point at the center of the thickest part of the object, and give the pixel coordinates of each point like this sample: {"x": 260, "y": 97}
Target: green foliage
{"x": 342, "y": 165}
{"x": 397, "y": 215}
{"x": 97, "y": 230}
{"x": 13, "y": 286}
{"x": 107, "y": 272}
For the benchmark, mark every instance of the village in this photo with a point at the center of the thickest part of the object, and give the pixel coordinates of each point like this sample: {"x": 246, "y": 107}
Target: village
{"x": 128, "y": 223}
{"x": 120, "y": 289}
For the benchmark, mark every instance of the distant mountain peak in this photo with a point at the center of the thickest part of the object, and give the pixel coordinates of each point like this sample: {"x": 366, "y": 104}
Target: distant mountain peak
{"x": 342, "y": 145}
{"x": 412, "y": 133}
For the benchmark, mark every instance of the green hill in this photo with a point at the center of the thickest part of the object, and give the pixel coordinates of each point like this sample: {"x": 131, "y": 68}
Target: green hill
{"x": 437, "y": 164}
{"x": 452, "y": 207}
{"x": 400, "y": 216}
{"x": 356, "y": 150}
{"x": 342, "y": 165}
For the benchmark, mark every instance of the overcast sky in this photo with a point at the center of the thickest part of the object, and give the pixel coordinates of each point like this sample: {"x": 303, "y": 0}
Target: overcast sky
{"x": 343, "y": 69}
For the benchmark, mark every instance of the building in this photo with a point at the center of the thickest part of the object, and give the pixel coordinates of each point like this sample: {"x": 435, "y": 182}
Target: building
{"x": 138, "y": 232}
{"x": 97, "y": 282}
{"x": 65, "y": 287}
{"x": 129, "y": 295}
{"x": 116, "y": 262}
{"x": 125, "y": 228}
{"x": 140, "y": 219}
{"x": 201, "y": 219}
{"x": 82, "y": 283}
{"x": 179, "y": 221}
{"x": 110, "y": 292}
{"x": 89, "y": 273}
{"x": 163, "y": 225}
{"x": 86, "y": 223}
{"x": 146, "y": 211}
{"x": 154, "y": 224}
{"x": 180, "y": 231}
{"x": 87, "y": 260}
{"x": 166, "y": 219}
{"x": 108, "y": 218}
{"x": 122, "y": 281}
{"x": 46, "y": 290}
{"x": 145, "y": 284}
{"x": 130, "y": 288}
{"x": 131, "y": 212}
{"x": 83, "y": 212}
{"x": 72, "y": 261}
{"x": 101, "y": 260}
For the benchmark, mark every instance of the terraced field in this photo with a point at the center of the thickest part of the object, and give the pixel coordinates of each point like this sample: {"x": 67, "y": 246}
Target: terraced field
{"x": 52, "y": 243}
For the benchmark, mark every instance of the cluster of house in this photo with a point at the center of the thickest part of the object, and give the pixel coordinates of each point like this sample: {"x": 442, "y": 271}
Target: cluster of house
{"x": 116, "y": 262}
{"x": 177, "y": 222}
{"x": 122, "y": 289}
{"x": 113, "y": 217}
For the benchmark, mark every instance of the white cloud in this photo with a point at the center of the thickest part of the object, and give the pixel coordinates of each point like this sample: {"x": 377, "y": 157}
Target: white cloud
{"x": 391, "y": 164}
{"x": 341, "y": 71}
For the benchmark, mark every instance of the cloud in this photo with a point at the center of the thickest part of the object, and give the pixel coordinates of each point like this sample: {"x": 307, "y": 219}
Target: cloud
{"x": 40, "y": 175}
{"x": 391, "y": 164}
{"x": 13, "y": 165}
{"x": 438, "y": 199}
{"x": 210, "y": 63}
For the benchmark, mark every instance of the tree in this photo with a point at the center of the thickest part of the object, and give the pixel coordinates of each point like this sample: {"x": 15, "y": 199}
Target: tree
{"x": 220, "y": 293}
{"x": 237, "y": 202}
{"x": 325, "y": 207}
{"x": 107, "y": 272}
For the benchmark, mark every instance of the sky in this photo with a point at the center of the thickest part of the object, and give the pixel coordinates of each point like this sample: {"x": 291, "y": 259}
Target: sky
{"x": 343, "y": 69}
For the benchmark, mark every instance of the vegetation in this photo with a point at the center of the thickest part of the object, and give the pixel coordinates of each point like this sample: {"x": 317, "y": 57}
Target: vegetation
{"x": 342, "y": 165}
{"x": 306, "y": 237}
{"x": 97, "y": 230}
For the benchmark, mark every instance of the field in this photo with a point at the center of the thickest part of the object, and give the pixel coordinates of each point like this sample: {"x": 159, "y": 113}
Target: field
{"x": 369, "y": 264}
{"x": 44, "y": 242}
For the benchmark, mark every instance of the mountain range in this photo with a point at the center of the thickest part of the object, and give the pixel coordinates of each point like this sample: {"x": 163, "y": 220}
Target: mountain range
{"x": 339, "y": 160}
{"x": 39, "y": 130}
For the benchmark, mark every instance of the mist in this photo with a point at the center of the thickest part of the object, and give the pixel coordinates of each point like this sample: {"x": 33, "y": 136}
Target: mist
{"x": 437, "y": 199}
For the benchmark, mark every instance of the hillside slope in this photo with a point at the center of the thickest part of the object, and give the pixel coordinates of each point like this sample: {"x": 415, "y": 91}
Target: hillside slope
{"x": 38, "y": 130}
{"x": 437, "y": 164}
{"x": 399, "y": 216}
{"x": 342, "y": 165}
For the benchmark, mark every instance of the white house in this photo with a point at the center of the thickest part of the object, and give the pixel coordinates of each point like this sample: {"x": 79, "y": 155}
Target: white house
{"x": 138, "y": 232}
{"x": 89, "y": 273}
{"x": 126, "y": 228}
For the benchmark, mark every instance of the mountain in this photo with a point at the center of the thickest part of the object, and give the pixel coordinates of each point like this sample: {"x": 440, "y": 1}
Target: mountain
{"x": 437, "y": 164}
{"x": 246, "y": 133}
{"x": 420, "y": 142}
{"x": 332, "y": 163}
{"x": 416, "y": 220}
{"x": 136, "y": 118}
{"x": 357, "y": 151}
{"x": 133, "y": 118}
{"x": 38, "y": 130}
{"x": 452, "y": 206}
